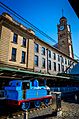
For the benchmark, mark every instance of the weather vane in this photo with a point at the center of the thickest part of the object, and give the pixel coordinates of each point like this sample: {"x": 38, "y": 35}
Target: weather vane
{"x": 62, "y": 12}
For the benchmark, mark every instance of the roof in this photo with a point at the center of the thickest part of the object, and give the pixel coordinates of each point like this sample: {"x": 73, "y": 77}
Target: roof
{"x": 15, "y": 72}
{"x": 55, "y": 45}
{"x": 63, "y": 17}
{"x": 22, "y": 73}
{"x": 75, "y": 69}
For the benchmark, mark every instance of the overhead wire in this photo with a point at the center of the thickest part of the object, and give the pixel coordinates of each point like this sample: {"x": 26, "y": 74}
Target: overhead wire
{"x": 28, "y": 23}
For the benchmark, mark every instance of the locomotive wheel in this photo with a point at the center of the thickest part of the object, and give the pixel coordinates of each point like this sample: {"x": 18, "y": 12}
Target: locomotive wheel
{"x": 46, "y": 101}
{"x": 25, "y": 105}
{"x": 37, "y": 103}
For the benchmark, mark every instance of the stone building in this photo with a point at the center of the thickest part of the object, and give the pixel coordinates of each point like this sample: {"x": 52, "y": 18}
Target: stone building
{"x": 21, "y": 49}
{"x": 64, "y": 37}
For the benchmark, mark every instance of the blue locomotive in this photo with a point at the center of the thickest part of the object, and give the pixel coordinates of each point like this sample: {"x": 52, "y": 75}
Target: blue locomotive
{"x": 23, "y": 92}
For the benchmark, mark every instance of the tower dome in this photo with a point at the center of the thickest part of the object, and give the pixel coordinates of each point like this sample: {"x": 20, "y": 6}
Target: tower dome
{"x": 63, "y": 20}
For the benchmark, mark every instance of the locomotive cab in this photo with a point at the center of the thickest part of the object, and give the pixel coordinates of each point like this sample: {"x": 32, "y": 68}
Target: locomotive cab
{"x": 25, "y": 85}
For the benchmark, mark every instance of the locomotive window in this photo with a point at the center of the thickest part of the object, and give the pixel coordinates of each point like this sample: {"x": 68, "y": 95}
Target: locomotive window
{"x": 25, "y": 85}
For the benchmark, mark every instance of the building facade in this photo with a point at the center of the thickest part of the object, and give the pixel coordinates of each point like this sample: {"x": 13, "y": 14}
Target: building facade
{"x": 15, "y": 43}
{"x": 20, "y": 48}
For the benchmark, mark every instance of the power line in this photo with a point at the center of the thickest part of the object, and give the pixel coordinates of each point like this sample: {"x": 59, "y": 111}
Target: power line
{"x": 76, "y": 56}
{"x": 28, "y": 23}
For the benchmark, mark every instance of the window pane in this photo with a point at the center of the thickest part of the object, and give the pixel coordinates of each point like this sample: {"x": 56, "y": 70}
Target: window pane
{"x": 54, "y": 56}
{"x": 36, "y": 48}
{"x": 65, "y": 61}
{"x": 49, "y": 65}
{"x": 24, "y": 42}
{"x": 23, "y": 57}
{"x": 59, "y": 67}
{"x": 43, "y": 51}
{"x": 54, "y": 66}
{"x": 62, "y": 68}
{"x": 43, "y": 62}
{"x": 49, "y": 53}
{"x": 13, "y": 54}
{"x": 15, "y": 38}
{"x": 58, "y": 58}
{"x": 36, "y": 60}
{"x": 62, "y": 59}
{"x": 68, "y": 62}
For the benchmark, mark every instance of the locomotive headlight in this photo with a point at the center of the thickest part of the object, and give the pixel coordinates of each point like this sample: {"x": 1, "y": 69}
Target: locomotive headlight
{"x": 47, "y": 88}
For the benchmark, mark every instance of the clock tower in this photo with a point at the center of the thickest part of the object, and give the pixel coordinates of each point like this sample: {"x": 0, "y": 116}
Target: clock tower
{"x": 64, "y": 37}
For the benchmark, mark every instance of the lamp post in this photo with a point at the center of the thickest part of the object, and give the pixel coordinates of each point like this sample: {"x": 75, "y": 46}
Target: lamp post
{"x": 26, "y": 114}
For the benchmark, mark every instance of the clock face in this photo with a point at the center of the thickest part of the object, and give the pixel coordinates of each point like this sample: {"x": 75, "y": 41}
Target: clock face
{"x": 61, "y": 27}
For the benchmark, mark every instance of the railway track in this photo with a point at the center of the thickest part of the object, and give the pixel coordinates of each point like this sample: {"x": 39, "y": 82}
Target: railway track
{"x": 33, "y": 112}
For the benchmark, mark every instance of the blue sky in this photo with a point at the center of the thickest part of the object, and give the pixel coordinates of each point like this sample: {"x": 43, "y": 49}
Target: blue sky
{"x": 45, "y": 15}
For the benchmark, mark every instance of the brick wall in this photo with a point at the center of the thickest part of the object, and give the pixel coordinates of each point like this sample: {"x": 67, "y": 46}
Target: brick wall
{"x": 4, "y": 43}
